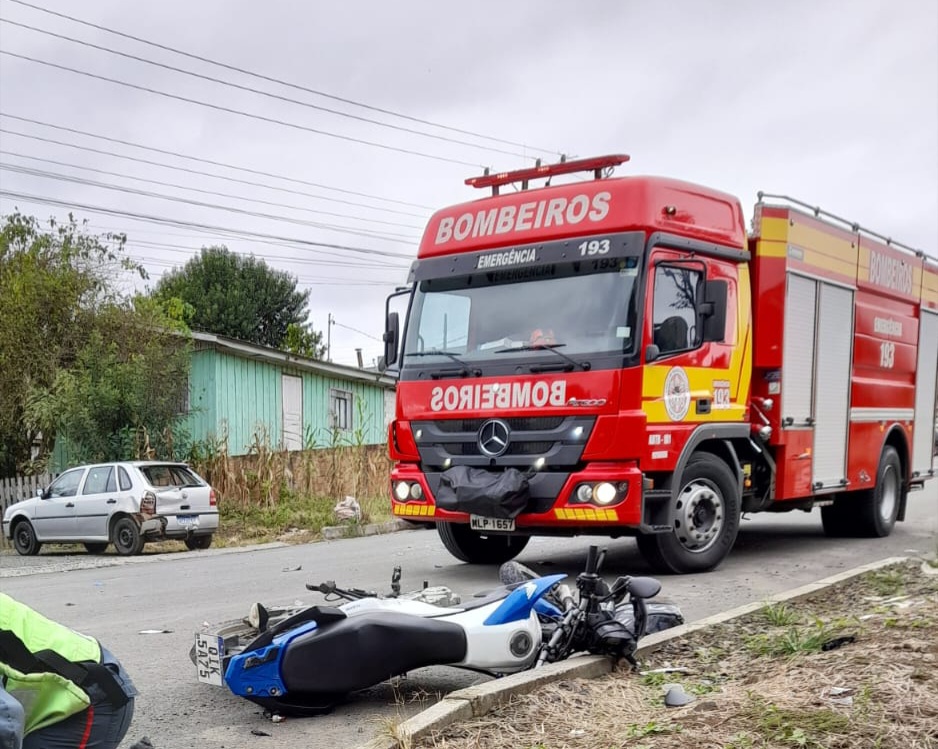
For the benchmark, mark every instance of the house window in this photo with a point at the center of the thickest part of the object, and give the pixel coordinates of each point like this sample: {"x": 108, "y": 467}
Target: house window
{"x": 340, "y": 409}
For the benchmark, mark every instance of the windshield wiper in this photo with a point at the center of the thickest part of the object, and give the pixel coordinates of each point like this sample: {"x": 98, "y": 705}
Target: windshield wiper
{"x": 466, "y": 369}
{"x": 552, "y": 347}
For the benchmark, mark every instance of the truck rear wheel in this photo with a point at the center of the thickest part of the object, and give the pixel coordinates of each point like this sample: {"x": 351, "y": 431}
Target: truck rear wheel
{"x": 878, "y": 508}
{"x": 468, "y": 546}
{"x": 706, "y": 520}
{"x": 870, "y": 513}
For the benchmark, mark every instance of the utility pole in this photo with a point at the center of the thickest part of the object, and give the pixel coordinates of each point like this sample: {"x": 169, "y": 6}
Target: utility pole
{"x": 329, "y": 323}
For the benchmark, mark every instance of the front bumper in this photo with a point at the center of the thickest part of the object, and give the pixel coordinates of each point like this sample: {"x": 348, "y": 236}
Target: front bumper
{"x": 553, "y": 501}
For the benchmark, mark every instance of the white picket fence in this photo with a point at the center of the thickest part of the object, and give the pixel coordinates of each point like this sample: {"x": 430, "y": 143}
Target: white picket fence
{"x": 21, "y": 487}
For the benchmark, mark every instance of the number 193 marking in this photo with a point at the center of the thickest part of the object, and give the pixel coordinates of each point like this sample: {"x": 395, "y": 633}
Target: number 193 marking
{"x": 593, "y": 247}
{"x": 887, "y": 354}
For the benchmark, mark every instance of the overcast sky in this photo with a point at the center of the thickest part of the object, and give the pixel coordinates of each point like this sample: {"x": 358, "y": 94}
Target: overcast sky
{"x": 832, "y": 102}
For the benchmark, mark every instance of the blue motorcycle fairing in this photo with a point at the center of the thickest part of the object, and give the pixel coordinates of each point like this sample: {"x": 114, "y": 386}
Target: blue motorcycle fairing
{"x": 256, "y": 673}
{"x": 519, "y": 603}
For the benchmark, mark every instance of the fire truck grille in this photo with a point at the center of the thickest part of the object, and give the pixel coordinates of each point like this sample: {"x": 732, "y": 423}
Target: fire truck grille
{"x": 558, "y": 439}
{"x": 517, "y": 424}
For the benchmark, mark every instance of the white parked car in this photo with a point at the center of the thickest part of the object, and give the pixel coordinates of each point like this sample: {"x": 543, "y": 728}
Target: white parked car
{"x": 126, "y": 504}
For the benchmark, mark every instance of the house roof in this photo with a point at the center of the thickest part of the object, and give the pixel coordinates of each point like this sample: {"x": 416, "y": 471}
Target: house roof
{"x": 294, "y": 361}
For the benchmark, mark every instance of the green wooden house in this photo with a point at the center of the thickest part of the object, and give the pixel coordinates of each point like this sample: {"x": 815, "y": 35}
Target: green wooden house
{"x": 247, "y": 391}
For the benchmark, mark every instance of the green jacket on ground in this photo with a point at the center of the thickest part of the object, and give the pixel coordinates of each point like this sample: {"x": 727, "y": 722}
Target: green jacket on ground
{"x": 46, "y": 697}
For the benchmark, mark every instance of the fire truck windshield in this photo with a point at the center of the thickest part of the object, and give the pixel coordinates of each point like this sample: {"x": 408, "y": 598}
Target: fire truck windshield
{"x": 587, "y": 308}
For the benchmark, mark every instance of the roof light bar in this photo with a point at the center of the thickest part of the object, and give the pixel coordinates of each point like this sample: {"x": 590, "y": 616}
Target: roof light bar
{"x": 595, "y": 164}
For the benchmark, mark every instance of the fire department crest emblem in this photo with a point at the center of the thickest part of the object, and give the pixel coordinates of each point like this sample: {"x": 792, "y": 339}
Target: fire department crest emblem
{"x": 677, "y": 394}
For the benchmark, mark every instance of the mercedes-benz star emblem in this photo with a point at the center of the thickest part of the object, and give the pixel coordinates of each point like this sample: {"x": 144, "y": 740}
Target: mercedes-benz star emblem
{"x": 494, "y": 437}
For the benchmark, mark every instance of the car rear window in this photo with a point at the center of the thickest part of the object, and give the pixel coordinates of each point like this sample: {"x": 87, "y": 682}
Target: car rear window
{"x": 125, "y": 479}
{"x": 170, "y": 475}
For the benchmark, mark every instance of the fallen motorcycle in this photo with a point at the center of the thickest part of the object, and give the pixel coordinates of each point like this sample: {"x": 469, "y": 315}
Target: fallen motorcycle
{"x": 304, "y": 660}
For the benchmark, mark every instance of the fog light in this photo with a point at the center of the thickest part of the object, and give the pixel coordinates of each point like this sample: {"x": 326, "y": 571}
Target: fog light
{"x": 416, "y": 491}
{"x": 402, "y": 490}
{"x": 584, "y": 492}
{"x": 604, "y": 493}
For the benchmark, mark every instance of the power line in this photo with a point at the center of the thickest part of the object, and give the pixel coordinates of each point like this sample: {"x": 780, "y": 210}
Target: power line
{"x": 201, "y": 160}
{"x": 260, "y": 92}
{"x": 356, "y": 330}
{"x": 271, "y": 79}
{"x": 241, "y": 112}
{"x": 202, "y": 204}
{"x": 206, "y": 192}
{"x": 199, "y": 172}
{"x": 149, "y": 218}
{"x": 189, "y": 249}
{"x": 130, "y": 238}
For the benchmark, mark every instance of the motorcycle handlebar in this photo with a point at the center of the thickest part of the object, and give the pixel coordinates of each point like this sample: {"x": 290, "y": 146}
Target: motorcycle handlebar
{"x": 592, "y": 557}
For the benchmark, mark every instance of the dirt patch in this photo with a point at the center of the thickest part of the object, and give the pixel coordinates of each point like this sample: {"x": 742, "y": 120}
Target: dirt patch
{"x": 854, "y": 666}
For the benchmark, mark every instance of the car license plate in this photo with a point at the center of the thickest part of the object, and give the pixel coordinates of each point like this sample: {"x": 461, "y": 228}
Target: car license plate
{"x": 480, "y": 523}
{"x": 209, "y": 651}
{"x": 186, "y": 519}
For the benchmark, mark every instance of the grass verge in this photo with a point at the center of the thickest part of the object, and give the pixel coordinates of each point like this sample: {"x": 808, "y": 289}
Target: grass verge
{"x": 854, "y": 666}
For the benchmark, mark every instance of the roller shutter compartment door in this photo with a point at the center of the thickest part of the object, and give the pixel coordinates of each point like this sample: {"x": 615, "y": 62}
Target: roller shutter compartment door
{"x": 832, "y": 384}
{"x": 923, "y": 440}
{"x": 798, "y": 351}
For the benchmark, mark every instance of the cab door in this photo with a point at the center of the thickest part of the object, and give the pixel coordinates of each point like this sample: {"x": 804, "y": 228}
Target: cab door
{"x": 694, "y": 371}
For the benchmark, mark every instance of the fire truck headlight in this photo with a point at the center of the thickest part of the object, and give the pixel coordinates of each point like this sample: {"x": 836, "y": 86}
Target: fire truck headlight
{"x": 416, "y": 491}
{"x": 605, "y": 493}
{"x": 402, "y": 490}
{"x": 584, "y": 492}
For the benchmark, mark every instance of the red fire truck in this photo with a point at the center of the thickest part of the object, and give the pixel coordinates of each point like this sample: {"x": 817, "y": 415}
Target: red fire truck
{"x": 617, "y": 356}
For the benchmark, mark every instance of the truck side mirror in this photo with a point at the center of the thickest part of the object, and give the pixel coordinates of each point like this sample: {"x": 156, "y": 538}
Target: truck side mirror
{"x": 713, "y": 311}
{"x": 652, "y": 352}
{"x": 392, "y": 336}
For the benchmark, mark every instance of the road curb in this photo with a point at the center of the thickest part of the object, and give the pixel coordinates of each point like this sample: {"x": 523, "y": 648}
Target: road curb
{"x": 353, "y": 530}
{"x": 482, "y": 698}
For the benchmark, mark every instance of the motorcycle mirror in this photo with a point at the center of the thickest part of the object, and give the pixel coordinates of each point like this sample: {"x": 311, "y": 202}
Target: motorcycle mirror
{"x": 644, "y": 587}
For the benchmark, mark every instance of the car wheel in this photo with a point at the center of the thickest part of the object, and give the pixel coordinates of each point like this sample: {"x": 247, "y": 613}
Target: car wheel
{"x": 96, "y": 548}
{"x": 199, "y": 542}
{"x": 24, "y": 539}
{"x": 467, "y": 545}
{"x": 126, "y": 537}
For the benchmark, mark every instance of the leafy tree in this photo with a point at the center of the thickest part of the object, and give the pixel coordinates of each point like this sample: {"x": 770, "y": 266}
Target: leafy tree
{"x": 235, "y": 296}
{"x": 305, "y": 341}
{"x": 63, "y": 327}
{"x": 125, "y": 392}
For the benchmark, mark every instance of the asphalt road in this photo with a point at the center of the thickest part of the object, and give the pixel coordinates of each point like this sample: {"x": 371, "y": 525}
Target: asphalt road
{"x": 117, "y": 599}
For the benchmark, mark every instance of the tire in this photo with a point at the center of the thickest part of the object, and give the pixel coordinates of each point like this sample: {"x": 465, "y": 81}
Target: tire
{"x": 878, "y": 508}
{"x": 468, "y": 546}
{"x": 706, "y": 520}
{"x": 96, "y": 548}
{"x": 24, "y": 539}
{"x": 126, "y": 537}
{"x": 198, "y": 542}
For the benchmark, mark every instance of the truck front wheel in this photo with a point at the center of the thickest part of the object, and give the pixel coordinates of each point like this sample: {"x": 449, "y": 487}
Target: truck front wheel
{"x": 468, "y": 546}
{"x": 706, "y": 520}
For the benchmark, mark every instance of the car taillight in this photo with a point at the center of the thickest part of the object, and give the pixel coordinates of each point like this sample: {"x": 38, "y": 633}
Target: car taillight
{"x": 212, "y": 499}
{"x": 148, "y": 504}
